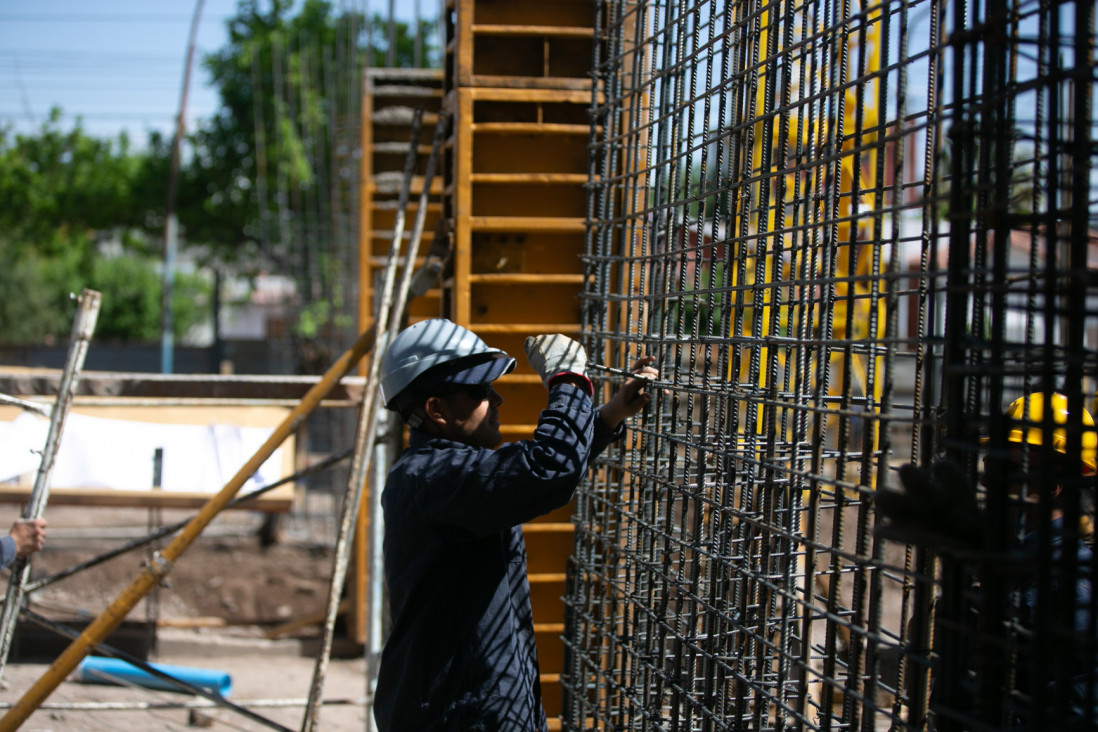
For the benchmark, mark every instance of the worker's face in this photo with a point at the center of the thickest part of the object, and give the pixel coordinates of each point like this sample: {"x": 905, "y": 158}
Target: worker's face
{"x": 469, "y": 415}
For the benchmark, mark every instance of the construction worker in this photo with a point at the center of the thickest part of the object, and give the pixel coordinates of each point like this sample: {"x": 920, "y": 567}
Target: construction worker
{"x": 25, "y": 538}
{"x": 940, "y": 510}
{"x": 461, "y": 652}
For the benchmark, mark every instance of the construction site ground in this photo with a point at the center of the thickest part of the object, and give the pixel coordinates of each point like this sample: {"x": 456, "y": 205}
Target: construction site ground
{"x": 224, "y": 595}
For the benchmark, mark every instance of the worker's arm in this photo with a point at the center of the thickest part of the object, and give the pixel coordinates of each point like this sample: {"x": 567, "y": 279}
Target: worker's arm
{"x": 475, "y": 491}
{"x": 630, "y": 398}
{"x": 933, "y": 508}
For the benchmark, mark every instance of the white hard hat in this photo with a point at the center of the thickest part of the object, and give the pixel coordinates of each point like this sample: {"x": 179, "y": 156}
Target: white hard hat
{"x": 433, "y": 352}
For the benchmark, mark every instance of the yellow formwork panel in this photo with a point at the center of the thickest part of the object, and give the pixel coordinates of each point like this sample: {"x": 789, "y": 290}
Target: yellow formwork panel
{"x": 530, "y": 253}
{"x": 522, "y": 43}
{"x": 518, "y": 76}
{"x": 390, "y": 98}
{"x": 517, "y": 151}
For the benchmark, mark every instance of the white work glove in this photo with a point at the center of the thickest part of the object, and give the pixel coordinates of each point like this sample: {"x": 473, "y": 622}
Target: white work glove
{"x": 554, "y": 354}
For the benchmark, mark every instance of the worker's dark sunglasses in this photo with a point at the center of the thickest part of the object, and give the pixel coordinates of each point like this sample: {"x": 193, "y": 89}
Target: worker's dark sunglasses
{"x": 476, "y": 392}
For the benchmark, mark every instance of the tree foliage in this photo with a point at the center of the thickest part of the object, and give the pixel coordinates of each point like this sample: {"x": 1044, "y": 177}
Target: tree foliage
{"x": 288, "y": 86}
{"x": 66, "y": 199}
{"x": 63, "y": 189}
{"x": 77, "y": 211}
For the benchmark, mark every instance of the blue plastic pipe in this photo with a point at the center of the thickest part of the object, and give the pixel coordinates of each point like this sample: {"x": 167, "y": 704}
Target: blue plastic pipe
{"x": 100, "y": 670}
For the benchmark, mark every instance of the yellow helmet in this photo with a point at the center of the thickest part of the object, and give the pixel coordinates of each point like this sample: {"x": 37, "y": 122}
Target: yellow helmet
{"x": 1030, "y": 410}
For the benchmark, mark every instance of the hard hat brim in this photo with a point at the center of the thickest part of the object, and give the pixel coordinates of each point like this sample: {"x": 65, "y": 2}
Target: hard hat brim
{"x": 483, "y": 372}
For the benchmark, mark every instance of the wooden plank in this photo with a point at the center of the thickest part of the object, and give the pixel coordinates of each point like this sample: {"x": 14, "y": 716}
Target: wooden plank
{"x": 27, "y": 382}
{"x": 530, "y": 328}
{"x": 280, "y": 500}
{"x": 532, "y": 128}
{"x": 463, "y": 49}
{"x": 514, "y": 378}
{"x": 562, "y": 527}
{"x": 555, "y": 83}
{"x": 366, "y": 211}
{"x": 557, "y": 628}
{"x": 547, "y": 577}
{"x": 390, "y": 182}
{"x": 463, "y": 203}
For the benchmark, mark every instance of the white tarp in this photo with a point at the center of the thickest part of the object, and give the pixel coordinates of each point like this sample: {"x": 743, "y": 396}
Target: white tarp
{"x": 114, "y": 453}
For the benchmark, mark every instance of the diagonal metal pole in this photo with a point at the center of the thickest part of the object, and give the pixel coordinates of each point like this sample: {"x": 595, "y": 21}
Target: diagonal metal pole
{"x": 25, "y": 405}
{"x": 116, "y": 612}
{"x": 389, "y": 317}
{"x": 83, "y": 327}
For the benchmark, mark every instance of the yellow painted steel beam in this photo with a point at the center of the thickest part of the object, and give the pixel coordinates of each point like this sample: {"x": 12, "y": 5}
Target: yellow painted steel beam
{"x": 503, "y": 94}
{"x": 557, "y": 31}
{"x": 561, "y": 224}
{"x": 161, "y": 565}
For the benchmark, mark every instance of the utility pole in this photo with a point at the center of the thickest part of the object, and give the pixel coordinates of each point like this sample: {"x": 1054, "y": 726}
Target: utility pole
{"x": 171, "y": 225}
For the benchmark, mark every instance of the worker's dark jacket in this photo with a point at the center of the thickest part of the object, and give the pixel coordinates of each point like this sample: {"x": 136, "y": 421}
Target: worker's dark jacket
{"x": 461, "y": 653}
{"x": 1075, "y": 660}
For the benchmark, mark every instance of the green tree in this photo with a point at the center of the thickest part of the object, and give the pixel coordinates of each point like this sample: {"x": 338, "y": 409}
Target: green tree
{"x": 65, "y": 198}
{"x": 283, "y": 104}
{"x": 273, "y": 171}
{"x": 132, "y": 312}
{"x": 63, "y": 189}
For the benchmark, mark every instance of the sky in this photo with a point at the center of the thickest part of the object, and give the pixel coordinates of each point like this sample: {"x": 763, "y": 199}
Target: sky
{"x": 119, "y": 64}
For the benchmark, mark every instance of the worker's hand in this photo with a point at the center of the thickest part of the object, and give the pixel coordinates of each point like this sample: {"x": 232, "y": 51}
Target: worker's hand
{"x": 935, "y": 509}
{"x": 554, "y": 354}
{"x": 29, "y": 536}
{"x": 630, "y": 398}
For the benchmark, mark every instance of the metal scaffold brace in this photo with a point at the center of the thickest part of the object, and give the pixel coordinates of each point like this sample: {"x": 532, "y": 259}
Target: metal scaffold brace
{"x": 83, "y": 327}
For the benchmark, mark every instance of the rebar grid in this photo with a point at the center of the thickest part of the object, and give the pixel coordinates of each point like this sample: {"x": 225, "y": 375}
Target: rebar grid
{"x": 851, "y": 233}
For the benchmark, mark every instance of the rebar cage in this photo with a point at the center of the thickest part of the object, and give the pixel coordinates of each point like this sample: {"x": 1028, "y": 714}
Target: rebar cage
{"x": 851, "y": 234}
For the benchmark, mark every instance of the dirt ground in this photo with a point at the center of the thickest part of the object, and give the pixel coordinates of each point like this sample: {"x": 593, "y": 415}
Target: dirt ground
{"x": 225, "y": 582}
{"x": 224, "y": 574}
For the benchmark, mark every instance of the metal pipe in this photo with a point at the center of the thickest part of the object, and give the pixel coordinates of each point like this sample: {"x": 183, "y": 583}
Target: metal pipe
{"x": 109, "y": 619}
{"x": 335, "y": 589}
{"x": 24, "y": 404}
{"x": 171, "y": 224}
{"x": 120, "y": 706}
{"x": 82, "y": 329}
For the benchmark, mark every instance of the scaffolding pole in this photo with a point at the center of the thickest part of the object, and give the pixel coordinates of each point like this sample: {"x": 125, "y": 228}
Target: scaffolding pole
{"x": 82, "y": 329}
{"x": 109, "y": 618}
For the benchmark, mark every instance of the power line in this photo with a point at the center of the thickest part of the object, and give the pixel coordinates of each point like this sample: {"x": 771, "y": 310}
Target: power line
{"x": 103, "y": 18}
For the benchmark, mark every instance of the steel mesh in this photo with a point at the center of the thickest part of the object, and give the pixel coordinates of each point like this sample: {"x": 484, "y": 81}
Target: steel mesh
{"x": 850, "y": 233}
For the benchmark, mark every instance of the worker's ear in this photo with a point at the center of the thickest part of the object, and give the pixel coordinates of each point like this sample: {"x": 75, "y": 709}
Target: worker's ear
{"x": 436, "y": 411}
